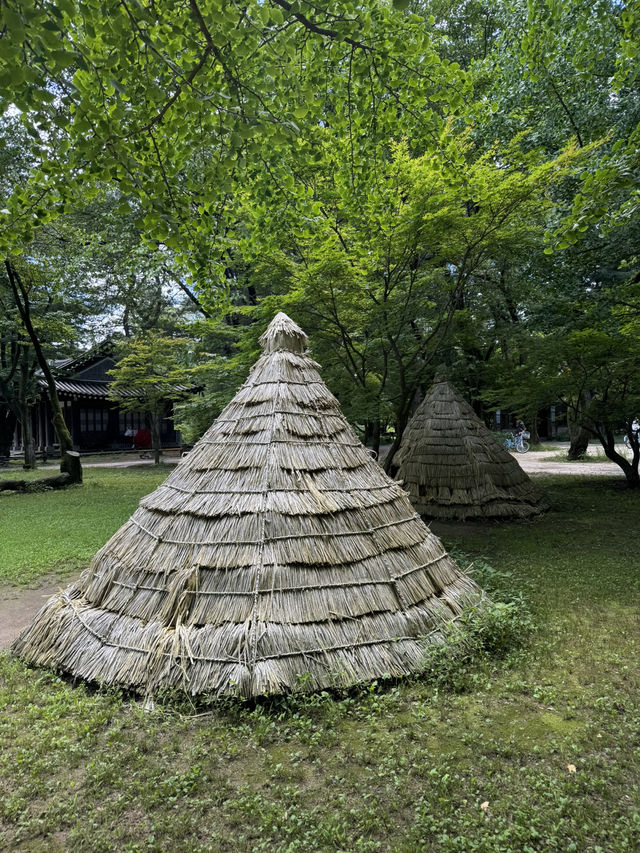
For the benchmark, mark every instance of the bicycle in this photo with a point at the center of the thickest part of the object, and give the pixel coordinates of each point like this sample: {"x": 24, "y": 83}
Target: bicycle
{"x": 517, "y": 442}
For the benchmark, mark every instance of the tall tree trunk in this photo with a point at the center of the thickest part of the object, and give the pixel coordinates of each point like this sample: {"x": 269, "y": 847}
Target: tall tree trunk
{"x": 401, "y": 424}
{"x": 24, "y": 413}
{"x": 579, "y": 438}
{"x": 27, "y": 437}
{"x": 533, "y": 426}
{"x": 578, "y": 435}
{"x": 7, "y": 427}
{"x": 375, "y": 445}
{"x": 630, "y": 469}
{"x": 70, "y": 460}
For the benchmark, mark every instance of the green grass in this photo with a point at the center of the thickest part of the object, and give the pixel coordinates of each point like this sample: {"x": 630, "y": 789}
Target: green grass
{"x": 59, "y": 531}
{"x": 402, "y": 767}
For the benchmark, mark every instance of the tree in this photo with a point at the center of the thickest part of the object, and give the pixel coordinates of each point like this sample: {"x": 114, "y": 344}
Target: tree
{"x": 18, "y": 390}
{"x": 66, "y": 284}
{"x": 149, "y": 374}
{"x": 32, "y": 310}
{"x": 579, "y": 344}
{"x": 7, "y": 426}
{"x": 133, "y": 286}
{"x": 384, "y": 272}
{"x": 177, "y": 104}
{"x": 585, "y": 54}
{"x": 70, "y": 459}
{"x": 221, "y": 352}
{"x": 560, "y": 70}
{"x": 598, "y": 381}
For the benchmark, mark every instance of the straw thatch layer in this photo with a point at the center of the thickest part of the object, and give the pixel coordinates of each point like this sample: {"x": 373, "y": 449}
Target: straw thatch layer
{"x": 453, "y": 467}
{"x": 276, "y": 556}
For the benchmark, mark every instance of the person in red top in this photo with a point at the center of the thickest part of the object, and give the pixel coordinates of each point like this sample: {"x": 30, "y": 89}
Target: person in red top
{"x": 142, "y": 439}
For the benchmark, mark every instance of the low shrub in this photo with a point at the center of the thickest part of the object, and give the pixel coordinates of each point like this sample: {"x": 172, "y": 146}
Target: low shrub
{"x": 495, "y": 628}
{"x": 491, "y": 630}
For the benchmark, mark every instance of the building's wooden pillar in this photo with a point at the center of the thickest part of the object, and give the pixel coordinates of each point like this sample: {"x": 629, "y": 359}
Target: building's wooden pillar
{"x": 74, "y": 419}
{"x": 47, "y": 423}
{"x": 113, "y": 428}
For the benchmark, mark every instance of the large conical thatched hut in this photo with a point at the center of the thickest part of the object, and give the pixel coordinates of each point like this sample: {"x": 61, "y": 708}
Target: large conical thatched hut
{"x": 277, "y": 556}
{"x": 453, "y": 467}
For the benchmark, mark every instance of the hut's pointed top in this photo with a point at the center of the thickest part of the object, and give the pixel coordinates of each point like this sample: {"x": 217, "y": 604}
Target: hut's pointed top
{"x": 441, "y": 375}
{"x": 283, "y": 334}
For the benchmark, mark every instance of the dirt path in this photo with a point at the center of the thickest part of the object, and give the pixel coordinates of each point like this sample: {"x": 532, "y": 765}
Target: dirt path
{"x": 18, "y": 607}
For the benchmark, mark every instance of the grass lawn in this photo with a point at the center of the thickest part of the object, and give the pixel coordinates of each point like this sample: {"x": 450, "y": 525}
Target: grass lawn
{"x": 59, "y": 531}
{"x": 538, "y": 753}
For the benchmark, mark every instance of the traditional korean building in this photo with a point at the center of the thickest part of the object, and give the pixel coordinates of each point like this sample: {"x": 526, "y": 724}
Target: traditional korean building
{"x": 95, "y": 422}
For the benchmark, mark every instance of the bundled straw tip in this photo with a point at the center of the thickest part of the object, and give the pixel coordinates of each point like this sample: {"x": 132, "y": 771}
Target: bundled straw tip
{"x": 283, "y": 334}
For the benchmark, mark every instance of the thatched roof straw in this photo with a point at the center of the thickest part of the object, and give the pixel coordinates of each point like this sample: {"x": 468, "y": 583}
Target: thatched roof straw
{"x": 277, "y": 556}
{"x": 453, "y": 467}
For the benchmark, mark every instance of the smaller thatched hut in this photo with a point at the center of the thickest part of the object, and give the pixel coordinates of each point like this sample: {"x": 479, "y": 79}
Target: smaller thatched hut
{"x": 453, "y": 467}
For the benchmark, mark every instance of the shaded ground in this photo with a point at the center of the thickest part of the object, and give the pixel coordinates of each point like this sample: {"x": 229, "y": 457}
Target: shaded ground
{"x": 48, "y": 538}
{"x": 19, "y": 606}
{"x": 533, "y": 462}
{"x": 105, "y": 460}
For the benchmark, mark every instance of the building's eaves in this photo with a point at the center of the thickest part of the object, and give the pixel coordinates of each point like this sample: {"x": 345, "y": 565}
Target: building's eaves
{"x": 94, "y": 388}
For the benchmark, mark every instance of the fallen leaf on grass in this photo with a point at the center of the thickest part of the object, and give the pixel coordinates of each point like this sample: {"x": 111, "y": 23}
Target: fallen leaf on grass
{"x": 484, "y": 806}
{"x": 571, "y": 768}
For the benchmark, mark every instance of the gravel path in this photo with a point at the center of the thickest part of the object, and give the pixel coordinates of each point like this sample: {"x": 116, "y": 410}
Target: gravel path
{"x": 539, "y": 462}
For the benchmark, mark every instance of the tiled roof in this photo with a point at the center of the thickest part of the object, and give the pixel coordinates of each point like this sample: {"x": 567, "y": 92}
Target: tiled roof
{"x": 81, "y": 388}
{"x": 92, "y": 388}
{"x": 100, "y": 350}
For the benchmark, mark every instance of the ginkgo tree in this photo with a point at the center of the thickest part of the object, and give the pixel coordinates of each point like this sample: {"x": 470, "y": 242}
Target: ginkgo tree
{"x": 176, "y": 104}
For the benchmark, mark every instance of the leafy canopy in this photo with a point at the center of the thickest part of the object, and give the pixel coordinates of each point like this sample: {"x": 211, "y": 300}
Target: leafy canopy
{"x": 178, "y": 103}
